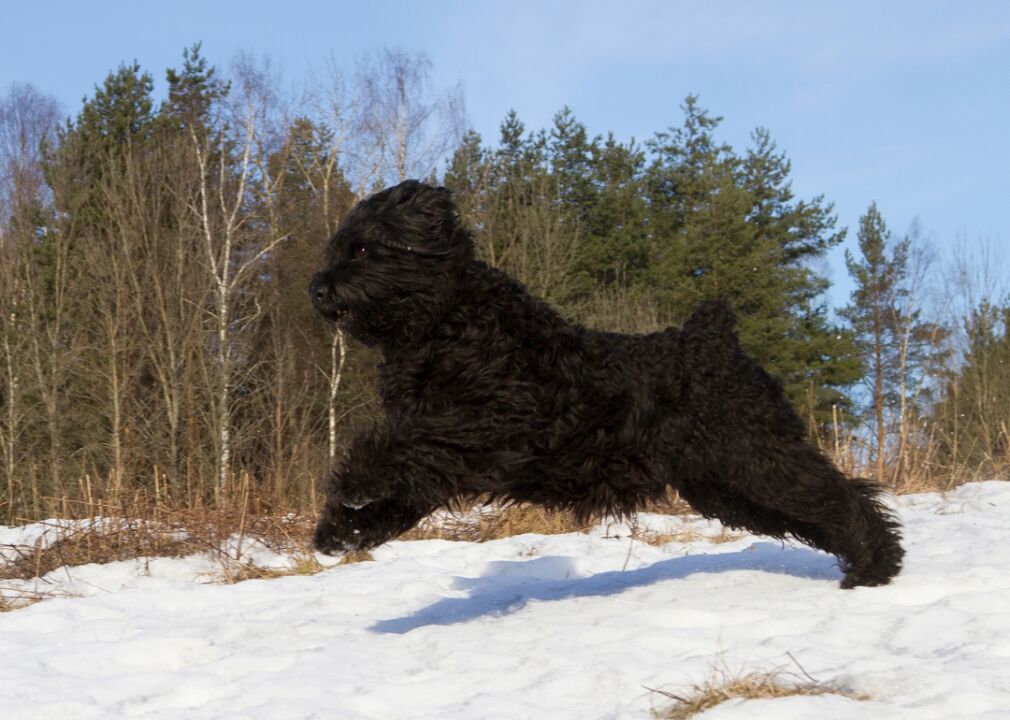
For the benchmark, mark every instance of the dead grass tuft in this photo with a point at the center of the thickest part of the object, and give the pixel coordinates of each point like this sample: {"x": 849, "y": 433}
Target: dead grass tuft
{"x": 685, "y": 535}
{"x": 99, "y": 542}
{"x": 17, "y": 599}
{"x": 672, "y": 504}
{"x": 175, "y": 534}
{"x": 236, "y": 572}
{"x": 356, "y": 556}
{"x": 481, "y": 523}
{"x": 723, "y": 685}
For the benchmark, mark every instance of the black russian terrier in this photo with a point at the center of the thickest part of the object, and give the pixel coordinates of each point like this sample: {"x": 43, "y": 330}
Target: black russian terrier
{"x": 487, "y": 391}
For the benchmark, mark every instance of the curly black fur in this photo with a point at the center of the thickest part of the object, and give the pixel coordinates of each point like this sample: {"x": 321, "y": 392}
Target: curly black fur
{"x": 488, "y": 391}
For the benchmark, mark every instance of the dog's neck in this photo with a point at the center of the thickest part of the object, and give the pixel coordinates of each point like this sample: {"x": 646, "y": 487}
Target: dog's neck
{"x": 416, "y": 330}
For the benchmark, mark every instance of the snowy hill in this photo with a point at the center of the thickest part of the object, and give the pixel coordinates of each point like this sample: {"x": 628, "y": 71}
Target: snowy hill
{"x": 562, "y": 626}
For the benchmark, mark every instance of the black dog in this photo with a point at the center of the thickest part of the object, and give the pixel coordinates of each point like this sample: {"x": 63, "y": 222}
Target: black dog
{"x": 488, "y": 391}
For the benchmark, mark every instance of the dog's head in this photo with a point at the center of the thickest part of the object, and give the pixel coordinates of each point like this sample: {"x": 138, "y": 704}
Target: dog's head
{"x": 393, "y": 265}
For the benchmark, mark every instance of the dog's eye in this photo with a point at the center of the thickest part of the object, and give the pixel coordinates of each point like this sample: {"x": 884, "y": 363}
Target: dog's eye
{"x": 359, "y": 251}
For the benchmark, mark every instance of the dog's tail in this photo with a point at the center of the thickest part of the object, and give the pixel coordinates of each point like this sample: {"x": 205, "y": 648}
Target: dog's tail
{"x": 720, "y": 368}
{"x": 713, "y": 318}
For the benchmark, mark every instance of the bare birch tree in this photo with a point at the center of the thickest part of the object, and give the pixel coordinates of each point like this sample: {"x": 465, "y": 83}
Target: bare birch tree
{"x": 30, "y": 345}
{"x": 918, "y": 346}
{"x": 28, "y": 119}
{"x": 404, "y": 128}
{"x": 224, "y": 181}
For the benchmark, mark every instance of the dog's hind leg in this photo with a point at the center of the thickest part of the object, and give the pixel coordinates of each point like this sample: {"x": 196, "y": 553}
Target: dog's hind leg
{"x": 806, "y": 498}
{"x": 879, "y": 557}
{"x": 712, "y": 499}
{"x": 818, "y": 505}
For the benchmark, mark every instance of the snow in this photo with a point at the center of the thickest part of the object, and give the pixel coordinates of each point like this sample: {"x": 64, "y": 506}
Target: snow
{"x": 562, "y": 626}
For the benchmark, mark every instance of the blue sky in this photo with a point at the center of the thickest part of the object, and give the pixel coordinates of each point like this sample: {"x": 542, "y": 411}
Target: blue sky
{"x": 904, "y": 103}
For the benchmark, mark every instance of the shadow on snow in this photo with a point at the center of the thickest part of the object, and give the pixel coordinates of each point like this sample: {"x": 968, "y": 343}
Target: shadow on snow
{"x": 507, "y": 586}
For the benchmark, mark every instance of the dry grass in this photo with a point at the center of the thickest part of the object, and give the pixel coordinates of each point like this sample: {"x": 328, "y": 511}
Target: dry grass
{"x": 172, "y": 534}
{"x": 722, "y": 686}
{"x": 672, "y": 504}
{"x": 236, "y": 572}
{"x": 356, "y": 556}
{"x": 154, "y": 523}
{"x": 684, "y": 535}
{"x": 99, "y": 542}
{"x": 482, "y": 523}
{"x": 175, "y": 534}
{"x": 914, "y": 459}
{"x": 149, "y": 530}
{"x": 160, "y": 532}
{"x": 15, "y": 599}
{"x": 158, "y": 519}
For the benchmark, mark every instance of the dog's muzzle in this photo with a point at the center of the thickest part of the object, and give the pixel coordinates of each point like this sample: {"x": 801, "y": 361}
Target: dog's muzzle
{"x": 325, "y": 301}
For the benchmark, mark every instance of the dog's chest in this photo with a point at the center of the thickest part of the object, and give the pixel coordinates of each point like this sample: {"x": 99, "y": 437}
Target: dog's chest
{"x": 429, "y": 384}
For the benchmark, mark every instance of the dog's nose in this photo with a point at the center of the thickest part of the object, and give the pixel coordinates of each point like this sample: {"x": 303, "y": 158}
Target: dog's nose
{"x": 317, "y": 288}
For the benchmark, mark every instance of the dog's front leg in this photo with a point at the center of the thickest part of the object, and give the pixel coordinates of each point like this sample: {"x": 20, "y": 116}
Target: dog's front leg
{"x": 369, "y": 497}
{"x": 392, "y": 479}
{"x": 365, "y": 475}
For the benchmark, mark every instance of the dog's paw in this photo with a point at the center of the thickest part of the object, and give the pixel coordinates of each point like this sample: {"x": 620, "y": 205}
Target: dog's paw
{"x": 343, "y": 529}
{"x": 335, "y": 532}
{"x": 327, "y": 542}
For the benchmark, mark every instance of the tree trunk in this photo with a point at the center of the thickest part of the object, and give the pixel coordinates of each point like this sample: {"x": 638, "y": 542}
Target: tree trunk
{"x": 338, "y": 354}
{"x": 878, "y": 389}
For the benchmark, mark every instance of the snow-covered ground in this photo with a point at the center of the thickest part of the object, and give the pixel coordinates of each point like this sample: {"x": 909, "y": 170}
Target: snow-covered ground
{"x": 563, "y": 626}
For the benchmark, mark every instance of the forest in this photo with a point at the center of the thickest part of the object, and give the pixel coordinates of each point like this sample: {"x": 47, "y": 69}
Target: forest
{"x": 157, "y": 346}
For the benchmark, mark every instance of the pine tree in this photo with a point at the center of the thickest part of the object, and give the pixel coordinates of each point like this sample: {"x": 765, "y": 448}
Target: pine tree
{"x": 569, "y": 155}
{"x": 682, "y": 220}
{"x": 971, "y": 417}
{"x": 600, "y": 183}
{"x": 468, "y": 174}
{"x": 615, "y": 251}
{"x": 114, "y": 123}
{"x": 193, "y": 92}
{"x": 512, "y": 142}
{"x": 725, "y": 226}
{"x": 895, "y": 343}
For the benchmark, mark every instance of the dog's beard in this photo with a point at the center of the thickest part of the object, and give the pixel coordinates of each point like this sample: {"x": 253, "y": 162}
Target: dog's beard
{"x": 399, "y": 319}
{"x": 338, "y": 315}
{"x": 389, "y": 320}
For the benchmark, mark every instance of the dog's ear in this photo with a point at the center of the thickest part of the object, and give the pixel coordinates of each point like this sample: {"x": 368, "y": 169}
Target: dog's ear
{"x": 403, "y": 193}
{"x": 424, "y": 219}
{"x": 432, "y": 200}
